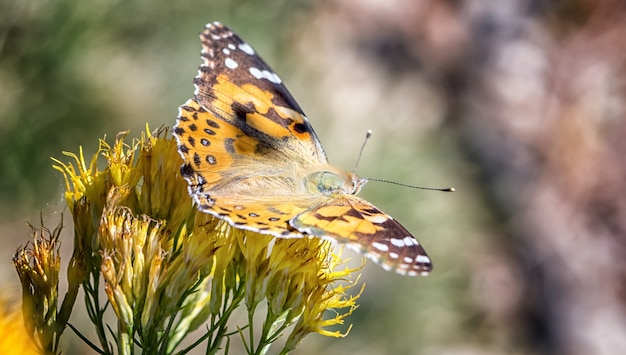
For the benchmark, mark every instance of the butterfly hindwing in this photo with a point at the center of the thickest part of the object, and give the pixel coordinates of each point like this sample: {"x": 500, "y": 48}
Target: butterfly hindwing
{"x": 365, "y": 228}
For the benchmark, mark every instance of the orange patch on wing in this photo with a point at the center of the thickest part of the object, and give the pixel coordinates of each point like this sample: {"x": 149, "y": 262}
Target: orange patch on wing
{"x": 245, "y": 145}
{"x": 226, "y": 92}
{"x": 223, "y": 91}
{"x": 358, "y": 225}
{"x": 261, "y": 123}
{"x": 333, "y": 211}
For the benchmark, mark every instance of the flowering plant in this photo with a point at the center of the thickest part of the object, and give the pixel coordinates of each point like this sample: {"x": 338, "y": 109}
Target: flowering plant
{"x": 145, "y": 254}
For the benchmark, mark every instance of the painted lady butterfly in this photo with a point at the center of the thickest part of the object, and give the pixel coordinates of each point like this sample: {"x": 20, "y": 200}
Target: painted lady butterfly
{"x": 253, "y": 159}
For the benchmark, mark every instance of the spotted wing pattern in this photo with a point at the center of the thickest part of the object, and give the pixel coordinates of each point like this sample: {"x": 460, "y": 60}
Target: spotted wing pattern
{"x": 239, "y": 177}
{"x": 252, "y": 158}
{"x": 236, "y": 85}
{"x": 363, "y": 227}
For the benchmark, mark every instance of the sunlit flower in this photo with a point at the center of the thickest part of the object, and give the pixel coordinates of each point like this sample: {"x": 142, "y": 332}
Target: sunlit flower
{"x": 168, "y": 268}
{"x": 38, "y": 265}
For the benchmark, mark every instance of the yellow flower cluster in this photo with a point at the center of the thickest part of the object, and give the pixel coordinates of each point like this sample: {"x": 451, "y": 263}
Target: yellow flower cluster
{"x": 38, "y": 266}
{"x": 168, "y": 268}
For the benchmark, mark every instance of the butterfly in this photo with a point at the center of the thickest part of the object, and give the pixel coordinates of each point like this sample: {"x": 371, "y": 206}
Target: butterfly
{"x": 252, "y": 158}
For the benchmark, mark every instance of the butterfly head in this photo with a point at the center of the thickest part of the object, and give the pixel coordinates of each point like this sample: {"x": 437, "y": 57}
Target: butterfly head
{"x": 330, "y": 181}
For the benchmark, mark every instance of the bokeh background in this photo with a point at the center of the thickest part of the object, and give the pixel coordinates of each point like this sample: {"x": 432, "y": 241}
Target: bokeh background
{"x": 517, "y": 104}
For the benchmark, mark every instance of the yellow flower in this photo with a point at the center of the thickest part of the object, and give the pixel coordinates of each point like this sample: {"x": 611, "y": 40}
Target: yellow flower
{"x": 38, "y": 265}
{"x": 322, "y": 294}
{"x": 167, "y": 268}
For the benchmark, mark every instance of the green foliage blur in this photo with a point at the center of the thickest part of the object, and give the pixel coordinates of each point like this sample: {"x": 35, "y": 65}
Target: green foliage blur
{"x": 71, "y": 71}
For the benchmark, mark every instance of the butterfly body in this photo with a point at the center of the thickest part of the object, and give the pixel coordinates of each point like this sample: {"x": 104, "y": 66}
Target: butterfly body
{"x": 253, "y": 159}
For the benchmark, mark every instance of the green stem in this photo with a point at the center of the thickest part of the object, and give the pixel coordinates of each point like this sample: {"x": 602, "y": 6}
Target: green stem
{"x": 93, "y": 346}
{"x": 237, "y": 295}
{"x": 92, "y": 302}
{"x": 125, "y": 341}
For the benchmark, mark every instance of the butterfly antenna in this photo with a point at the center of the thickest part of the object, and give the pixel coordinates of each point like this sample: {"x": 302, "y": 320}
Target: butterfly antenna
{"x": 368, "y": 135}
{"x": 358, "y": 158}
{"x": 444, "y": 189}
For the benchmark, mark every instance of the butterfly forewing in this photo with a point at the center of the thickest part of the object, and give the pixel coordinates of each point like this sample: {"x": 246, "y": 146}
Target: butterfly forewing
{"x": 235, "y": 84}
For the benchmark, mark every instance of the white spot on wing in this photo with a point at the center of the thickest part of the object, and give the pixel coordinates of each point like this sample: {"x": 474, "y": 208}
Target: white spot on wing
{"x": 422, "y": 259}
{"x": 246, "y": 48}
{"x": 265, "y": 74}
{"x": 274, "y": 78}
{"x": 230, "y": 63}
{"x": 256, "y": 73}
{"x": 407, "y": 259}
{"x": 231, "y": 46}
{"x": 226, "y": 51}
{"x": 394, "y": 255}
{"x": 380, "y": 246}
{"x": 410, "y": 241}
{"x": 397, "y": 242}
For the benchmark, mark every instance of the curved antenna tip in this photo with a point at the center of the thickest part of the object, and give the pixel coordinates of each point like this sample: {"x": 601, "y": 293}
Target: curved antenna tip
{"x": 445, "y": 189}
{"x": 368, "y": 134}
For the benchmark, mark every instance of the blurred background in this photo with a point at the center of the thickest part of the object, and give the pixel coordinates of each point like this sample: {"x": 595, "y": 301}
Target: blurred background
{"x": 517, "y": 104}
